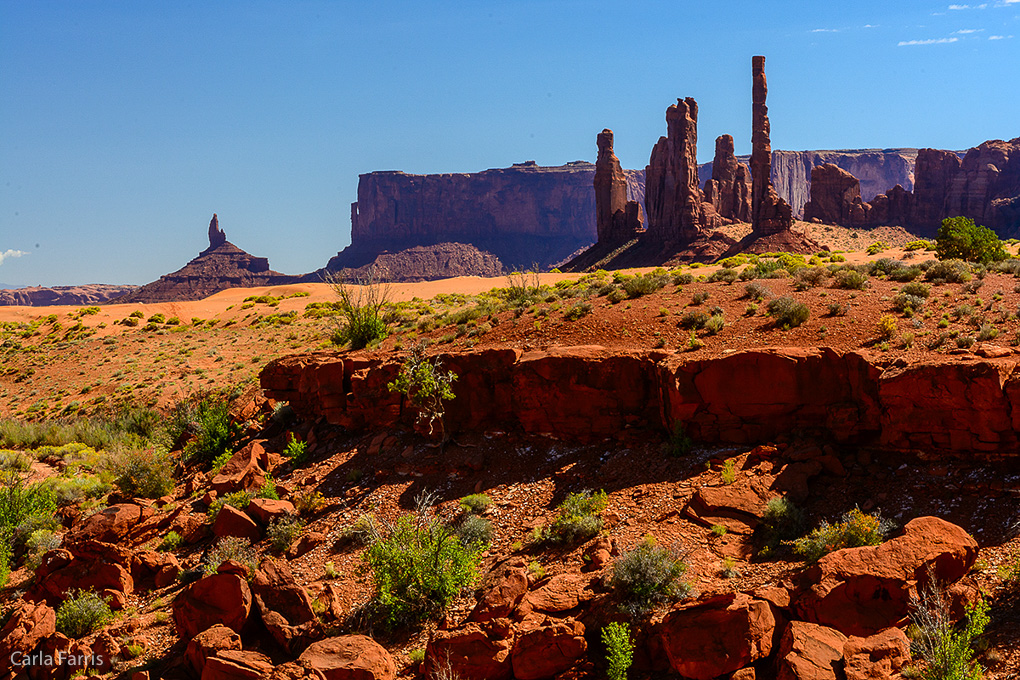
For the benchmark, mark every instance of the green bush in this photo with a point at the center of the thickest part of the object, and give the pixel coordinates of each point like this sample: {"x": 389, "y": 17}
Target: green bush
{"x": 782, "y": 521}
{"x": 693, "y": 320}
{"x": 144, "y": 473}
{"x": 959, "y": 238}
{"x": 757, "y": 291}
{"x": 948, "y": 271}
{"x": 38, "y": 544}
{"x": 850, "y": 279}
{"x": 578, "y": 518}
{"x": 420, "y": 567}
{"x": 619, "y": 650}
{"x": 715, "y": 324}
{"x": 646, "y": 575}
{"x": 282, "y": 532}
{"x": 474, "y": 530}
{"x": 788, "y": 313}
{"x": 297, "y": 451}
{"x": 476, "y": 503}
{"x": 577, "y": 310}
{"x": 214, "y": 430}
{"x": 364, "y": 531}
{"x": 426, "y": 386}
{"x": 809, "y": 277}
{"x": 170, "y": 542}
{"x": 679, "y": 443}
{"x": 237, "y": 499}
{"x": 644, "y": 284}
{"x": 725, "y": 274}
{"x": 855, "y": 529}
{"x": 82, "y": 613}
{"x": 230, "y": 548}
{"x": 358, "y": 322}
{"x": 947, "y": 649}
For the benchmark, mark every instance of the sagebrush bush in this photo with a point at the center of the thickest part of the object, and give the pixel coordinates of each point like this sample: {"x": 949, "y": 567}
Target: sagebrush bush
{"x": 474, "y": 530}
{"x": 853, "y": 530}
{"x": 946, "y": 648}
{"x": 170, "y": 542}
{"x": 283, "y": 531}
{"x": 644, "y": 284}
{"x": 214, "y": 430}
{"x": 578, "y": 518}
{"x": 476, "y": 503}
{"x": 82, "y": 613}
{"x": 948, "y": 271}
{"x": 782, "y": 521}
{"x": 850, "y": 279}
{"x": 419, "y": 567}
{"x": 757, "y": 291}
{"x": 788, "y": 313}
{"x": 693, "y": 320}
{"x": 363, "y": 531}
{"x": 358, "y": 322}
{"x": 647, "y": 575}
{"x": 230, "y": 548}
{"x": 144, "y": 473}
{"x": 809, "y": 277}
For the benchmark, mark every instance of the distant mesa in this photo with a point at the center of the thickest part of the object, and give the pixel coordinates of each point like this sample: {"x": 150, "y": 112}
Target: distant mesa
{"x": 220, "y": 266}
{"x": 420, "y": 263}
{"x": 38, "y": 296}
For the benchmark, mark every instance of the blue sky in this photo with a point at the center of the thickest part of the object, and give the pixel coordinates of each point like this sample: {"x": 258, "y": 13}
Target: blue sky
{"x": 125, "y": 125}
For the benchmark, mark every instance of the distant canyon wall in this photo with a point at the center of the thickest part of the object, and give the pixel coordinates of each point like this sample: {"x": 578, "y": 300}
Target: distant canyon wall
{"x": 529, "y": 213}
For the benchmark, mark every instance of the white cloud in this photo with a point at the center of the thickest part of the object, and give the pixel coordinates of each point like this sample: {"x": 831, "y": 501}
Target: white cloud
{"x": 870, "y": 26}
{"x": 11, "y": 253}
{"x": 999, "y": 37}
{"x": 932, "y": 41}
{"x": 967, "y": 31}
{"x": 825, "y": 30}
{"x": 981, "y": 6}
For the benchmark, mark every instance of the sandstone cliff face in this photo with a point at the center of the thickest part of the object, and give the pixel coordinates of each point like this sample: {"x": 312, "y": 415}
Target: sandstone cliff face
{"x": 672, "y": 194}
{"x": 422, "y": 263}
{"x": 220, "y": 266}
{"x": 522, "y": 214}
{"x": 36, "y": 296}
{"x": 835, "y": 194}
{"x": 729, "y": 189}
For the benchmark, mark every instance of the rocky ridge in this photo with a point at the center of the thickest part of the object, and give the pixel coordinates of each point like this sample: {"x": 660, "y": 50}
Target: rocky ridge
{"x": 39, "y": 296}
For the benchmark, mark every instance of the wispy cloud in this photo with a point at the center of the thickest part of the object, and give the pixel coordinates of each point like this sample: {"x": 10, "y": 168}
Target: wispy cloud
{"x": 825, "y": 30}
{"x": 11, "y": 253}
{"x": 981, "y": 6}
{"x": 968, "y": 31}
{"x": 932, "y": 41}
{"x": 999, "y": 37}
{"x": 870, "y": 26}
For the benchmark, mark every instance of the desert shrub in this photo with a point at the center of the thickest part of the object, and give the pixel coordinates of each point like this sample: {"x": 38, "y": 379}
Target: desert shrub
{"x": 1009, "y": 571}
{"x": 921, "y": 244}
{"x": 24, "y": 507}
{"x": 714, "y": 324}
{"x": 282, "y": 532}
{"x": 853, "y": 530}
{"x": 358, "y": 321}
{"x": 959, "y": 238}
{"x": 782, "y": 521}
{"x": 144, "y": 473}
{"x": 214, "y": 429}
{"x": 308, "y": 502}
{"x": 836, "y": 309}
{"x": 757, "y": 291}
{"x": 788, "y": 313}
{"x": 682, "y": 278}
{"x": 729, "y": 472}
{"x": 877, "y": 247}
{"x": 725, "y": 274}
{"x": 693, "y": 320}
{"x": 230, "y": 548}
{"x": 947, "y": 649}
{"x": 905, "y": 274}
{"x": 644, "y": 284}
{"x": 809, "y": 277}
{"x": 948, "y": 271}
{"x": 172, "y": 541}
{"x": 474, "y": 530}
{"x": 619, "y": 650}
{"x": 646, "y": 575}
{"x": 419, "y": 567}
{"x": 522, "y": 287}
{"x": 425, "y": 385}
{"x": 987, "y": 332}
{"x": 917, "y": 289}
{"x": 679, "y": 443}
{"x": 158, "y": 317}
{"x": 887, "y": 326}
{"x": 578, "y": 519}
{"x": 577, "y": 310}
{"x": 965, "y": 341}
{"x": 476, "y": 503}
{"x": 850, "y": 279}
{"x": 15, "y": 460}
{"x": 700, "y": 297}
{"x": 616, "y": 295}
{"x": 296, "y": 450}
{"x": 82, "y": 613}
{"x": 237, "y": 499}
{"x": 363, "y": 531}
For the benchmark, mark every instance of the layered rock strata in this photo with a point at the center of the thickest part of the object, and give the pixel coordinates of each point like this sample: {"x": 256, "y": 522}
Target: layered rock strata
{"x": 220, "y": 266}
{"x": 589, "y": 393}
{"x": 835, "y": 196}
{"x": 770, "y": 214}
{"x": 37, "y": 296}
{"x": 616, "y": 218}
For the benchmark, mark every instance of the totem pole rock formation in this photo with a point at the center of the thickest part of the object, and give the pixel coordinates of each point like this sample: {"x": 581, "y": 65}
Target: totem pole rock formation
{"x": 770, "y": 214}
{"x": 216, "y": 235}
{"x": 729, "y": 190}
{"x": 672, "y": 197}
{"x": 617, "y": 219}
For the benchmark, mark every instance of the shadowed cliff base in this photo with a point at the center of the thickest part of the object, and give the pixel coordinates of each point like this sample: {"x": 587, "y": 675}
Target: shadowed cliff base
{"x": 420, "y": 263}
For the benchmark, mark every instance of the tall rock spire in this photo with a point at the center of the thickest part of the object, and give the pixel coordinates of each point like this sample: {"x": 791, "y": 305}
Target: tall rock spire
{"x": 729, "y": 190}
{"x": 672, "y": 194}
{"x": 770, "y": 214}
{"x": 616, "y": 218}
{"x": 216, "y": 235}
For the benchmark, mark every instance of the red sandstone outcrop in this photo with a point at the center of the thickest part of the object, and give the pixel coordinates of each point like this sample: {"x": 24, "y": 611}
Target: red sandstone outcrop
{"x": 37, "y": 296}
{"x": 348, "y": 657}
{"x": 616, "y": 218}
{"x": 770, "y": 214}
{"x": 673, "y": 200}
{"x": 420, "y": 263}
{"x": 729, "y": 190}
{"x": 587, "y": 393}
{"x": 835, "y": 197}
{"x": 220, "y": 266}
{"x": 808, "y": 651}
{"x": 219, "y": 599}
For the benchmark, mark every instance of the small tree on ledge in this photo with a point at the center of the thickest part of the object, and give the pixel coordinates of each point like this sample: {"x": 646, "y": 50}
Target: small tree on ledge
{"x": 959, "y": 238}
{"x": 423, "y": 382}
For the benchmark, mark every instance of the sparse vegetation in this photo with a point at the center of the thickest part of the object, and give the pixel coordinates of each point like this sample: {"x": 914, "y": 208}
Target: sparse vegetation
{"x": 946, "y": 648}
{"x": 853, "y": 530}
{"x": 284, "y": 531}
{"x": 788, "y": 313}
{"x": 647, "y": 575}
{"x": 423, "y": 382}
{"x": 578, "y": 519}
{"x": 231, "y": 548}
{"x": 619, "y": 650}
{"x": 476, "y": 503}
{"x": 358, "y": 321}
{"x": 82, "y": 613}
